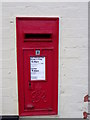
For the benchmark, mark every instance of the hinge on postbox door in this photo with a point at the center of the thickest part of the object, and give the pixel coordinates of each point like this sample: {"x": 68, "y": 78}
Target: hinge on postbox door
{"x": 87, "y": 98}
{"x": 85, "y": 115}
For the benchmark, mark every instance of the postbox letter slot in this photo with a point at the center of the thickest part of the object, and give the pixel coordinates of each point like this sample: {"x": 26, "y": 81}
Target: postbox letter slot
{"x": 37, "y": 37}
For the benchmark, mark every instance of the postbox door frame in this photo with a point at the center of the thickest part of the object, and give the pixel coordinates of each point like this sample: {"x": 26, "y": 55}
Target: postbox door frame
{"x": 22, "y": 112}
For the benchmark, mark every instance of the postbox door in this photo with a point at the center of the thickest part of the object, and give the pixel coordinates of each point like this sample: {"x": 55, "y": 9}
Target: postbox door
{"x": 37, "y": 65}
{"x": 39, "y": 85}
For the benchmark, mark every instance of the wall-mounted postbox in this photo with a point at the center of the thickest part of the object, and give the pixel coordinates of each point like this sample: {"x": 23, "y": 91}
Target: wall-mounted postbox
{"x": 37, "y": 65}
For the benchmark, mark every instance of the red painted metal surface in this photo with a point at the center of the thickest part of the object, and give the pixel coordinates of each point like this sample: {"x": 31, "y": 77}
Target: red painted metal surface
{"x": 38, "y": 97}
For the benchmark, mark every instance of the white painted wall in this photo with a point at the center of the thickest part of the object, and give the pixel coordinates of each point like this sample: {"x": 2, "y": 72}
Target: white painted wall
{"x": 73, "y": 54}
{"x": 0, "y": 59}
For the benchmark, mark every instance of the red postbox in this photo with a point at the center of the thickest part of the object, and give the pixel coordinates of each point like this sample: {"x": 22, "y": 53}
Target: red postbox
{"x": 37, "y": 65}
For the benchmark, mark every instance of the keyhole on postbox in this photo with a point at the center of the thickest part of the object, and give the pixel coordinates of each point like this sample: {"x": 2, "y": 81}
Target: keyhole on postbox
{"x": 29, "y": 84}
